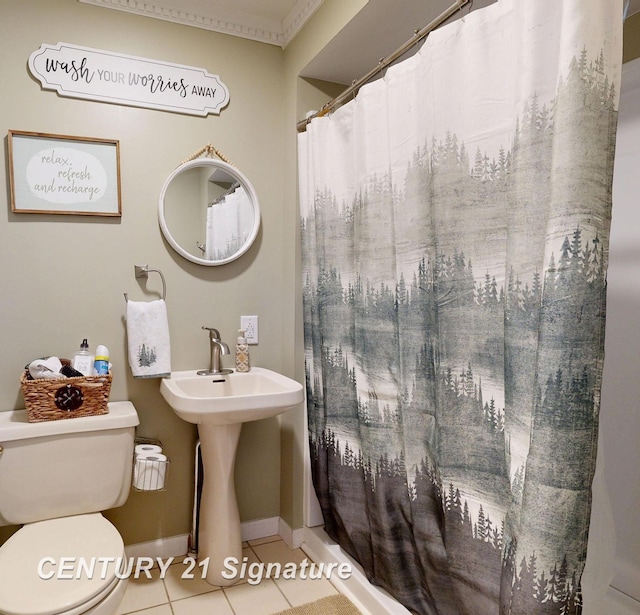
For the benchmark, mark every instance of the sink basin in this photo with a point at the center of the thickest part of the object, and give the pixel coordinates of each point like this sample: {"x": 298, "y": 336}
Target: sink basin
{"x": 226, "y": 399}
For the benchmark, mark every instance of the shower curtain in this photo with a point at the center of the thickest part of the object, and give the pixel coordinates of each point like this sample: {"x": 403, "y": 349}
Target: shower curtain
{"x": 455, "y": 223}
{"x": 229, "y": 220}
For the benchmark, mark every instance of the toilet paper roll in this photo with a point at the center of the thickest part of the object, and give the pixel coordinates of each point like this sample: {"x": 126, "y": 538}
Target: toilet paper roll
{"x": 148, "y": 449}
{"x": 150, "y": 472}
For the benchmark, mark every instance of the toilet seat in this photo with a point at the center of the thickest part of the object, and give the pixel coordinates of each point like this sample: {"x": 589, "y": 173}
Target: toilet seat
{"x": 63, "y": 549}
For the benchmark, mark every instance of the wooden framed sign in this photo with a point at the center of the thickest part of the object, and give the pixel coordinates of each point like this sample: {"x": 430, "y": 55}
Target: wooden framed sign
{"x": 58, "y": 174}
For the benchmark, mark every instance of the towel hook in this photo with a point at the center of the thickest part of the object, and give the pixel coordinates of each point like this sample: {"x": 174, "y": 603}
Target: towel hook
{"x": 142, "y": 271}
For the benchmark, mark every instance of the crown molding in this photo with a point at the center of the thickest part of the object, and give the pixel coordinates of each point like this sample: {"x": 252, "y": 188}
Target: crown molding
{"x": 297, "y": 17}
{"x": 208, "y": 16}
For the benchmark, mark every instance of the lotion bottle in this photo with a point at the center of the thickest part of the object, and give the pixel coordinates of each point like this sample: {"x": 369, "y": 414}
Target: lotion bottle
{"x": 83, "y": 359}
{"x": 242, "y": 353}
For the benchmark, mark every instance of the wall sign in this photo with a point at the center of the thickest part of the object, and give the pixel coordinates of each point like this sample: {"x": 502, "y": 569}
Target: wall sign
{"x": 55, "y": 174}
{"x": 105, "y": 76}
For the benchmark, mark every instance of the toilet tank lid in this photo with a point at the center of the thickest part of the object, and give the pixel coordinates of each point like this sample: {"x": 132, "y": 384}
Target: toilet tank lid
{"x": 15, "y": 426}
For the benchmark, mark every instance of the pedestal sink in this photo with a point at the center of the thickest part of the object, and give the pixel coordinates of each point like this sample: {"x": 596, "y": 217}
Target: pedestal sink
{"x": 219, "y": 404}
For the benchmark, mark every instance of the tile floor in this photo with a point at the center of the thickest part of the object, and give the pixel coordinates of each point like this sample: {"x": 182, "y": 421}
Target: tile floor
{"x": 174, "y": 595}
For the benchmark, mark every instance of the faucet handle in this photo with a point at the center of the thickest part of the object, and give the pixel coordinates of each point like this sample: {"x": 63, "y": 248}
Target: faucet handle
{"x": 213, "y": 333}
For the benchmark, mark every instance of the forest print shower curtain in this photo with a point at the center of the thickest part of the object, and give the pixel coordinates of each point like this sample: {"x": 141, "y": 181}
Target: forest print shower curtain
{"x": 455, "y": 226}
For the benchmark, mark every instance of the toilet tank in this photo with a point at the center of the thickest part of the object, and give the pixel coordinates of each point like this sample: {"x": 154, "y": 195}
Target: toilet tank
{"x": 65, "y": 467}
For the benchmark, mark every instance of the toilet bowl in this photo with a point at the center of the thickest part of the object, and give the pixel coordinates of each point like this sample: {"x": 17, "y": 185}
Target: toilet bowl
{"x": 67, "y": 559}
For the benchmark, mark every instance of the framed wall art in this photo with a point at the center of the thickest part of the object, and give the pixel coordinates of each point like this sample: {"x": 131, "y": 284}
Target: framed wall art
{"x": 58, "y": 174}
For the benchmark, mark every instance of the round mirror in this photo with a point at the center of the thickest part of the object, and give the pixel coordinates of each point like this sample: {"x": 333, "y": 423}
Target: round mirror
{"x": 208, "y": 211}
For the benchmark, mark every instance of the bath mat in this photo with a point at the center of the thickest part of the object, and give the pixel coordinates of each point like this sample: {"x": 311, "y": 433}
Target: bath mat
{"x": 331, "y": 605}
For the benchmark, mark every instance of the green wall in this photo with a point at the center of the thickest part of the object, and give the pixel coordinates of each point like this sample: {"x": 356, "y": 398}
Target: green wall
{"x": 63, "y": 277}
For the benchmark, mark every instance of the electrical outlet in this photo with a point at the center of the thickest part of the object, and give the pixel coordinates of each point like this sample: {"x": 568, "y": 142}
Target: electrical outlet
{"x": 250, "y": 326}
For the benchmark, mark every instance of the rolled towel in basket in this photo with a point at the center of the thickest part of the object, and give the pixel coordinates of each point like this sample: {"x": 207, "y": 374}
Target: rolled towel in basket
{"x": 48, "y": 367}
{"x": 148, "y": 339}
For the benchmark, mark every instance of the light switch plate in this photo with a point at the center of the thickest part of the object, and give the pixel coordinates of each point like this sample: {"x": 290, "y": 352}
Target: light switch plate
{"x": 250, "y": 326}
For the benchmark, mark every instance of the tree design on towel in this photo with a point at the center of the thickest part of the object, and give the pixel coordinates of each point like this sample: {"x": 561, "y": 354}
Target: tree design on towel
{"x": 146, "y": 356}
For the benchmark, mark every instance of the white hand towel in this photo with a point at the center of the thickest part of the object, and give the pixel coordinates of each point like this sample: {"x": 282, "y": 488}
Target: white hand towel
{"x": 148, "y": 339}
{"x": 46, "y": 368}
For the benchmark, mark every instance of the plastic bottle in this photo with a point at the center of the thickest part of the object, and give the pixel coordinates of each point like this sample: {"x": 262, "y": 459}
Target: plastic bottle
{"x": 83, "y": 359}
{"x": 101, "y": 364}
{"x": 242, "y": 353}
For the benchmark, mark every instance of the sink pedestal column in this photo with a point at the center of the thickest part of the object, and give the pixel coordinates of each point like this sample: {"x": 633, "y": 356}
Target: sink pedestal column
{"x": 219, "y": 526}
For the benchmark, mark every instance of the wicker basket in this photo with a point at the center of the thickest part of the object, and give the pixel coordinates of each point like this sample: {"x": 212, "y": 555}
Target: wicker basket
{"x": 65, "y": 398}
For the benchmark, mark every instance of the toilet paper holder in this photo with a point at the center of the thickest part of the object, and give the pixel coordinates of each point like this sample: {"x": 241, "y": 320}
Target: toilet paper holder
{"x": 150, "y": 466}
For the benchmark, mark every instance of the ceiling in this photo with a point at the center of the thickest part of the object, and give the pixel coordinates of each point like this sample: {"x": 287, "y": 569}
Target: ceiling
{"x": 376, "y": 31}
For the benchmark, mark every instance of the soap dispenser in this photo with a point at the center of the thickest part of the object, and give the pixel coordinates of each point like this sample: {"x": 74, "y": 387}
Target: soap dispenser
{"x": 242, "y": 353}
{"x": 83, "y": 359}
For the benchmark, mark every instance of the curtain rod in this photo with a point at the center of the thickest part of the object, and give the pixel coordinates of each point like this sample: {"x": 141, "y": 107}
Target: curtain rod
{"x": 384, "y": 62}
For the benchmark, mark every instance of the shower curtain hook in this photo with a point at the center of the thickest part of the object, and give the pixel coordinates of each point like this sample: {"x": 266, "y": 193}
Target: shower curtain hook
{"x": 461, "y": 3}
{"x": 383, "y": 67}
{"x": 354, "y": 92}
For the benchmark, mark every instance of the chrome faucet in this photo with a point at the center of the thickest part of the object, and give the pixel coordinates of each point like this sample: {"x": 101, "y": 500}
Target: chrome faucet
{"x": 218, "y": 348}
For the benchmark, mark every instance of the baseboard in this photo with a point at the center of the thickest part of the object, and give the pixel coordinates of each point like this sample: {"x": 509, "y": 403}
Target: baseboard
{"x": 260, "y": 528}
{"x": 171, "y": 546}
{"x": 368, "y": 598}
{"x": 293, "y": 538}
{"x": 174, "y": 546}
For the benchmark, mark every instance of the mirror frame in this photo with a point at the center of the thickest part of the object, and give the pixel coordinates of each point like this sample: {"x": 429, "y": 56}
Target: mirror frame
{"x": 235, "y": 173}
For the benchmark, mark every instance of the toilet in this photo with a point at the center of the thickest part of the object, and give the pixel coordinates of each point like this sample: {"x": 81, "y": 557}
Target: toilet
{"x": 55, "y": 478}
